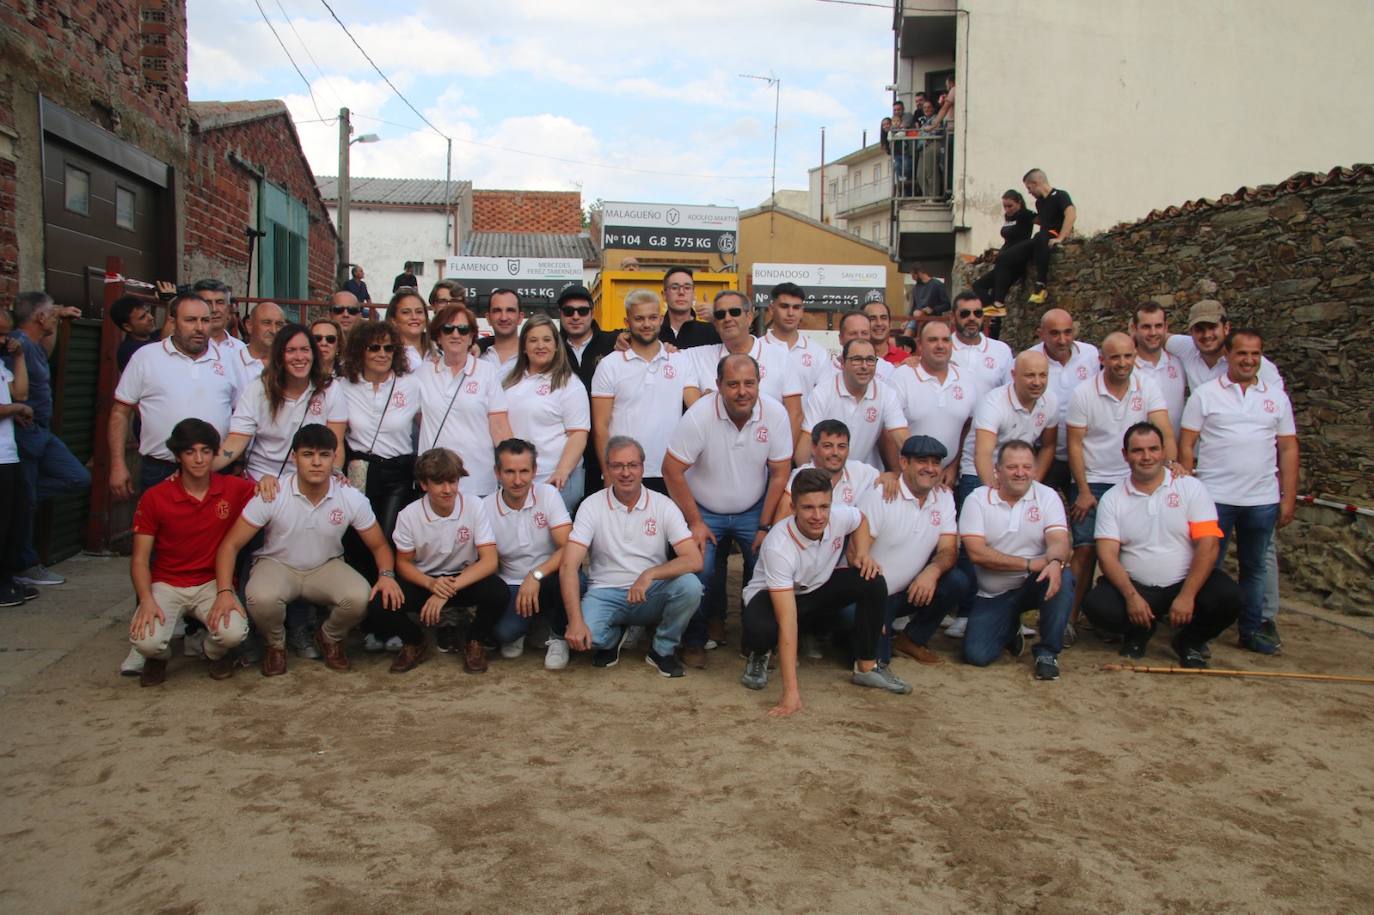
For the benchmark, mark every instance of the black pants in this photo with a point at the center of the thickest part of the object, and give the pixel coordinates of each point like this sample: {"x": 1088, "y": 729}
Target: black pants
{"x": 845, "y": 587}
{"x": 1216, "y": 607}
{"x": 1007, "y": 269}
{"x": 489, "y": 596}
{"x": 1036, "y": 249}
{"x": 14, "y": 519}
{"x": 654, "y": 483}
{"x": 390, "y": 488}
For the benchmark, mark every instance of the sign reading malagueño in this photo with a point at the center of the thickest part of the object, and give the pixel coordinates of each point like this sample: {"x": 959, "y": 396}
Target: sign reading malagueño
{"x": 537, "y": 280}
{"x": 827, "y": 286}
{"x": 670, "y": 227}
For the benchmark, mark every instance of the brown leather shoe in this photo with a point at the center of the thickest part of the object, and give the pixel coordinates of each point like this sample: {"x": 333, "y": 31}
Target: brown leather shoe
{"x": 335, "y": 657}
{"x": 154, "y": 672}
{"x": 475, "y": 657}
{"x": 273, "y": 661}
{"x": 715, "y": 630}
{"x": 902, "y": 644}
{"x": 694, "y": 656}
{"x": 410, "y": 656}
{"x": 222, "y": 668}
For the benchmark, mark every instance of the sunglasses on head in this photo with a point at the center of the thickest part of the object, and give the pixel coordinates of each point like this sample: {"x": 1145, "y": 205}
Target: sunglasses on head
{"x": 380, "y": 347}
{"x": 351, "y": 309}
{"x": 579, "y": 310}
{"x": 720, "y": 313}
{"x": 455, "y": 328}
{"x": 326, "y": 338}
{"x": 964, "y": 313}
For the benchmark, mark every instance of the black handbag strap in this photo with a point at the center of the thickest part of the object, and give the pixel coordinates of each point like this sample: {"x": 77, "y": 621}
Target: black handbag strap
{"x": 385, "y": 407}
{"x": 462, "y": 377}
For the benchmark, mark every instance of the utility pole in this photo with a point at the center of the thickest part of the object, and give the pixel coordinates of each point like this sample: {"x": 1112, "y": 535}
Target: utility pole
{"x": 776, "y": 83}
{"x": 344, "y": 192}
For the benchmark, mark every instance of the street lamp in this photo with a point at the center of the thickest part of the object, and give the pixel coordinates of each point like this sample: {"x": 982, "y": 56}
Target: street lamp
{"x": 345, "y": 141}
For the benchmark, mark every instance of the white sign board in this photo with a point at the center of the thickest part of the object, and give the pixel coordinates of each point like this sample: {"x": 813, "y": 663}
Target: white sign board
{"x": 537, "y": 280}
{"x": 827, "y": 286}
{"x": 669, "y": 227}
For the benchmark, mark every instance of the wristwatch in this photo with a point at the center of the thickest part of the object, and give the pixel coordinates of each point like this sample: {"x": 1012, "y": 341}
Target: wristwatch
{"x": 387, "y": 573}
{"x": 537, "y": 575}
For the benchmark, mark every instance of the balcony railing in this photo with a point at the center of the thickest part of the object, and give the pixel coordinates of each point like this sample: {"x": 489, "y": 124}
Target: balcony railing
{"x": 921, "y": 164}
{"x": 863, "y": 195}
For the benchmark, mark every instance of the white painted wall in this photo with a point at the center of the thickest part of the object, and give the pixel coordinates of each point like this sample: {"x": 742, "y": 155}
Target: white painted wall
{"x": 381, "y": 241}
{"x": 1133, "y": 105}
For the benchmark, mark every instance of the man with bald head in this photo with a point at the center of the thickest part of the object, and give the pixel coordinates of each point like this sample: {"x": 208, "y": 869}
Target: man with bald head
{"x": 1071, "y": 362}
{"x": 344, "y": 308}
{"x": 263, "y": 323}
{"x": 1100, "y": 411}
{"x": 1021, "y": 410}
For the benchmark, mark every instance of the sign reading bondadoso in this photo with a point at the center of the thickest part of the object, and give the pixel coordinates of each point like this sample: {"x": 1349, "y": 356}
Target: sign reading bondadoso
{"x": 827, "y": 286}
{"x": 537, "y": 280}
{"x": 669, "y": 227}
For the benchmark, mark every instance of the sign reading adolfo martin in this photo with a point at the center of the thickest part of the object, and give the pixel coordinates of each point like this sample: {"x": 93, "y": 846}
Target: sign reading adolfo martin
{"x": 670, "y": 227}
{"x": 537, "y": 280}
{"x": 827, "y": 286}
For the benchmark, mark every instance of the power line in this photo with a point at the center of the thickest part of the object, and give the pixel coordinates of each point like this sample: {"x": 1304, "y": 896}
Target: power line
{"x": 308, "y": 87}
{"x": 384, "y": 77}
{"x": 306, "y": 49}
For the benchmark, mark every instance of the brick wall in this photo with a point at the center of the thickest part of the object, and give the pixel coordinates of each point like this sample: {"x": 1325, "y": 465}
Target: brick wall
{"x": 221, "y": 200}
{"x": 9, "y": 238}
{"x": 527, "y": 211}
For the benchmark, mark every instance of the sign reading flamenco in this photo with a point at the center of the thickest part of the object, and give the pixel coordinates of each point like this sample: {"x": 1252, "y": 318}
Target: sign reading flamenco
{"x": 827, "y": 286}
{"x": 534, "y": 279}
{"x": 670, "y": 227}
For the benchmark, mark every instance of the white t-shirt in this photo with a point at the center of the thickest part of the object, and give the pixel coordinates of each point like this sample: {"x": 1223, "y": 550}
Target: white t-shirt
{"x": 728, "y": 466}
{"x": 168, "y": 386}
{"x": 381, "y": 419}
{"x": 809, "y": 359}
{"x": 9, "y": 449}
{"x": 524, "y": 535}
{"x": 544, "y": 416}
{"x": 1017, "y": 530}
{"x": 907, "y": 532}
{"x": 443, "y": 545}
{"x": 856, "y": 479}
{"x": 775, "y": 368}
{"x": 1172, "y": 381}
{"x": 1083, "y": 364}
{"x": 1237, "y": 450}
{"x": 648, "y": 398}
{"x": 1157, "y": 530}
{"x": 1198, "y": 372}
{"x": 305, "y": 536}
{"x": 624, "y": 542}
{"x": 1105, "y": 420}
{"x": 1000, "y": 411}
{"x": 269, "y": 452}
{"x": 789, "y": 561}
{"x": 935, "y": 408}
{"x": 455, "y": 412}
{"x": 986, "y": 365}
{"x": 868, "y": 418}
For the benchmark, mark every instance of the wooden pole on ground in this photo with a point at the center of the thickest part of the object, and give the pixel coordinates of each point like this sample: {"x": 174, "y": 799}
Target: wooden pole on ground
{"x": 1210, "y": 672}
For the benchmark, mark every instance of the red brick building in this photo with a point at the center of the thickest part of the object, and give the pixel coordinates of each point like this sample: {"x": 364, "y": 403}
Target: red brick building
{"x": 552, "y": 212}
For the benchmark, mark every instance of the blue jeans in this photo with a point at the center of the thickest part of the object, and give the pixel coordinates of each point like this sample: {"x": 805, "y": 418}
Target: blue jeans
{"x": 952, "y": 588}
{"x": 512, "y": 625}
{"x": 1084, "y": 530}
{"x": 968, "y": 482}
{"x": 48, "y": 469}
{"x": 995, "y": 620}
{"x": 1253, "y": 529}
{"x": 574, "y": 489}
{"x": 667, "y": 607}
{"x": 741, "y": 528}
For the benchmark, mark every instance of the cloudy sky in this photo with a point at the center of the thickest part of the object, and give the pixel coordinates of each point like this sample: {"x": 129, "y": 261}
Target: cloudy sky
{"x": 636, "y": 100}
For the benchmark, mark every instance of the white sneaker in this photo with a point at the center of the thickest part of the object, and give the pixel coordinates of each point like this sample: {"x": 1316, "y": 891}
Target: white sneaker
{"x": 811, "y": 648}
{"x": 512, "y": 650}
{"x": 633, "y": 636}
{"x": 956, "y": 629}
{"x": 1026, "y": 630}
{"x": 132, "y": 665}
{"x": 556, "y": 658}
{"x": 193, "y": 645}
{"x": 179, "y": 629}
{"x": 394, "y": 644}
{"x": 899, "y": 624}
{"x": 947, "y": 621}
{"x": 372, "y": 644}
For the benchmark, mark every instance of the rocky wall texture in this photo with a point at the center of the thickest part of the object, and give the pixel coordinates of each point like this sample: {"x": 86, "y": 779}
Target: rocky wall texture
{"x": 1296, "y": 261}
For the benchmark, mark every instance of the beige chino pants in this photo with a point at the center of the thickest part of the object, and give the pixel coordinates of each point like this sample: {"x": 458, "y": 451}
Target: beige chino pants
{"x": 197, "y": 601}
{"x": 272, "y": 585}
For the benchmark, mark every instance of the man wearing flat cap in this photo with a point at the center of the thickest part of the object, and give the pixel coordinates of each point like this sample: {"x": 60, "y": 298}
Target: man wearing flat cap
{"x": 916, "y": 544}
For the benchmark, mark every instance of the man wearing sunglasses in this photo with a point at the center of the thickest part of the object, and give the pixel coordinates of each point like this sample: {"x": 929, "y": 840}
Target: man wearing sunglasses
{"x": 586, "y": 345}
{"x": 983, "y": 362}
{"x": 356, "y": 286}
{"x": 344, "y": 308}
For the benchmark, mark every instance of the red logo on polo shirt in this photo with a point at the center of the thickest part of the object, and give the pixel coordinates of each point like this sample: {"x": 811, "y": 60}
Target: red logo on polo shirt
{"x": 316, "y": 406}
{"x": 1270, "y": 407}
{"x": 650, "y": 527}
{"x": 807, "y": 360}
{"x": 670, "y": 371}
{"x": 543, "y": 390}
{"x": 1040, "y": 419}
{"x": 958, "y": 392}
{"x": 847, "y": 495}
{"x": 398, "y": 399}
{"x": 871, "y": 415}
{"x": 1033, "y": 513}
{"x": 1173, "y": 372}
{"x": 935, "y": 519}
{"x": 541, "y": 519}
{"x": 1082, "y": 372}
{"x": 222, "y": 509}
{"x": 989, "y": 362}
{"x": 837, "y": 543}
{"x": 219, "y": 368}
{"x": 471, "y": 387}
{"x": 336, "y": 517}
{"x": 1137, "y": 404}
{"x": 763, "y": 373}
{"x": 1173, "y": 501}
{"x": 464, "y": 535}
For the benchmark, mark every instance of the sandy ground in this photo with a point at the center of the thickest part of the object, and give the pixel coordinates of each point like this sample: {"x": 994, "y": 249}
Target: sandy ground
{"x": 619, "y": 791}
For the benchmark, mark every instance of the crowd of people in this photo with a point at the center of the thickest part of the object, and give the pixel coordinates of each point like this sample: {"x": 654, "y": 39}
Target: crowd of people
{"x": 401, "y": 475}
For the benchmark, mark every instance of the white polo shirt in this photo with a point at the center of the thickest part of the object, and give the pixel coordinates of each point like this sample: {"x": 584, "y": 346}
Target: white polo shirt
{"x": 868, "y": 417}
{"x": 524, "y": 535}
{"x": 1000, "y": 411}
{"x": 1172, "y": 381}
{"x": 987, "y": 363}
{"x": 443, "y": 545}
{"x": 647, "y": 397}
{"x": 624, "y": 542}
{"x": 1237, "y": 451}
{"x": 168, "y": 386}
{"x": 1083, "y": 364}
{"x": 907, "y": 532}
{"x": 1198, "y": 372}
{"x": 381, "y": 419}
{"x": 856, "y": 479}
{"x": 1105, "y": 419}
{"x": 414, "y": 358}
{"x": 250, "y": 369}
{"x": 1017, "y": 530}
{"x": 544, "y": 416}
{"x": 455, "y": 412}
{"x": 269, "y": 452}
{"x": 502, "y": 366}
{"x": 302, "y": 535}
{"x": 1157, "y": 530}
{"x": 790, "y": 561}
{"x": 728, "y": 466}
{"x": 775, "y": 368}
{"x": 808, "y": 359}
{"x": 935, "y": 408}
{"x": 9, "y": 449}
{"x": 229, "y": 346}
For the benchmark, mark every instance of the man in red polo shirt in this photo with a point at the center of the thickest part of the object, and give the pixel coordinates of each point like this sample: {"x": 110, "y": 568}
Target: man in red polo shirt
{"x": 177, "y": 531}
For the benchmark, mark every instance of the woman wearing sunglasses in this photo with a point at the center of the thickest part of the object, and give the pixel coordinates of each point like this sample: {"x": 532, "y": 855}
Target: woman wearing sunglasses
{"x": 329, "y": 339}
{"x": 408, "y": 313}
{"x": 549, "y": 408}
{"x": 462, "y": 404}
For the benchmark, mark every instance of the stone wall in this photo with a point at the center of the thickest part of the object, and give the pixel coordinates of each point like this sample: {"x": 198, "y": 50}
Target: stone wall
{"x": 1296, "y": 261}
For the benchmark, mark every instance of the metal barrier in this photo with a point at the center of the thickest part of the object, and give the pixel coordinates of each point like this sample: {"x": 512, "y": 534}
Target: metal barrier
{"x": 921, "y": 163}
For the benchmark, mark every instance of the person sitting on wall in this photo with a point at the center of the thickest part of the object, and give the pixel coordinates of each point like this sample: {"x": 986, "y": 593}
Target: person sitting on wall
{"x": 1017, "y": 224}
